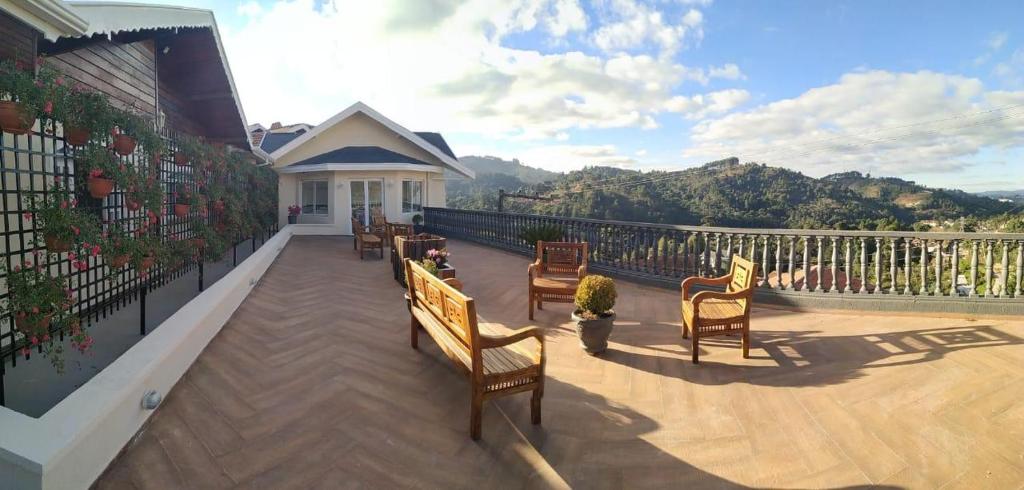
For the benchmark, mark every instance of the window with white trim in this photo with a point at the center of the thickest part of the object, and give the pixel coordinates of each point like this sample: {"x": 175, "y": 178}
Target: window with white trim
{"x": 412, "y": 196}
{"x": 314, "y": 197}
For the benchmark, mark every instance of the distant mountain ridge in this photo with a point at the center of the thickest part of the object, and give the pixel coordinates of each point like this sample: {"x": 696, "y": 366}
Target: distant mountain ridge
{"x": 722, "y": 193}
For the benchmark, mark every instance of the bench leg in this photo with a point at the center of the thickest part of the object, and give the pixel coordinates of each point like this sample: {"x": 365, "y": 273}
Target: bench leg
{"x": 414, "y": 338}
{"x": 531, "y": 305}
{"x": 540, "y": 305}
{"x": 686, "y": 329}
{"x": 695, "y": 347}
{"x": 746, "y": 343}
{"x": 476, "y": 417}
{"x": 535, "y": 406}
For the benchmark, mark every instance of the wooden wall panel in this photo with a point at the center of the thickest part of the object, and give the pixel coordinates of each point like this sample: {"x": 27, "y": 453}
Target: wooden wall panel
{"x": 17, "y": 40}
{"x": 177, "y": 113}
{"x": 125, "y": 72}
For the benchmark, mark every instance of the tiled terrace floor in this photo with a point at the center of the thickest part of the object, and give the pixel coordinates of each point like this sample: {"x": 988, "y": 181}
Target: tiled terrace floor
{"x": 312, "y": 384}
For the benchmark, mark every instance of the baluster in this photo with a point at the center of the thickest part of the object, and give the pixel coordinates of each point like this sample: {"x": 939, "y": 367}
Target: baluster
{"x": 954, "y": 275}
{"x": 764, "y": 260}
{"x": 989, "y": 290}
{"x": 807, "y": 264}
{"x": 792, "y": 257}
{"x": 728, "y": 251}
{"x": 937, "y": 291}
{"x": 848, "y": 265}
{"x": 1005, "y": 273}
{"x": 707, "y": 254}
{"x": 974, "y": 269}
{"x": 821, "y": 264}
{"x": 1020, "y": 273}
{"x": 892, "y": 265}
{"x": 908, "y": 267}
{"x": 878, "y": 265}
{"x": 863, "y": 266}
{"x": 743, "y": 242}
{"x": 835, "y": 265}
{"x": 778, "y": 263}
{"x": 923, "y": 290}
{"x": 718, "y": 254}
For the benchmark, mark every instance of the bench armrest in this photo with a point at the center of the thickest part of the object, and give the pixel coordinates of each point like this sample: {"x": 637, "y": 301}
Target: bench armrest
{"x": 536, "y": 269}
{"x": 582, "y": 272}
{"x": 492, "y": 341}
{"x": 708, "y": 281}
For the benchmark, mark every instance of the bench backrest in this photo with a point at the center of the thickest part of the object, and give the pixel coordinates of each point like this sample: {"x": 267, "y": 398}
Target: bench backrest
{"x": 562, "y": 257}
{"x": 357, "y": 227}
{"x": 744, "y": 273}
{"x": 453, "y": 311}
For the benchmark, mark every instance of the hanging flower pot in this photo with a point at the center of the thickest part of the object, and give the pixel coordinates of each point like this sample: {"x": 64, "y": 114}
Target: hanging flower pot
{"x": 132, "y": 205}
{"x": 124, "y": 145}
{"x": 14, "y": 118}
{"x": 218, "y": 206}
{"x": 180, "y": 159}
{"x": 55, "y": 244}
{"x": 147, "y": 263}
{"x": 119, "y": 261}
{"x": 181, "y": 210}
{"x": 31, "y": 327}
{"x": 199, "y": 243}
{"x": 100, "y": 187}
{"x": 76, "y": 136}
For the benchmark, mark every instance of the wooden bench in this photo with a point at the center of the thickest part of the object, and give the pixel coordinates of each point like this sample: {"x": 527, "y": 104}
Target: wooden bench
{"x": 497, "y": 365}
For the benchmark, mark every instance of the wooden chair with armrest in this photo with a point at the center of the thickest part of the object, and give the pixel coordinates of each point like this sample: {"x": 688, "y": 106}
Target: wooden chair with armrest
{"x": 710, "y": 313}
{"x": 556, "y": 272}
{"x": 364, "y": 239}
{"x": 397, "y": 229}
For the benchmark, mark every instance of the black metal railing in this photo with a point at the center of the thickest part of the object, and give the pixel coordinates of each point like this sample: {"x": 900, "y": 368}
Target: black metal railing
{"x": 857, "y": 264}
{"x": 28, "y": 165}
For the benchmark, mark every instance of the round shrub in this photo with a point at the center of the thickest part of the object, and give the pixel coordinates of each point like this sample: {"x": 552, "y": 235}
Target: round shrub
{"x": 596, "y": 294}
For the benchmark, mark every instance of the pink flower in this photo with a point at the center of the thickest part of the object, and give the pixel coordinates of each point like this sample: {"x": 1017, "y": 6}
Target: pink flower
{"x": 28, "y": 265}
{"x": 76, "y": 230}
{"x": 25, "y": 351}
{"x": 34, "y": 340}
{"x": 35, "y": 309}
{"x": 95, "y": 250}
{"x": 39, "y": 83}
{"x": 56, "y": 179}
{"x": 27, "y": 215}
{"x": 96, "y": 173}
{"x": 59, "y": 81}
{"x": 63, "y": 204}
{"x": 48, "y": 107}
{"x": 46, "y": 337}
{"x": 72, "y": 256}
{"x": 17, "y": 268}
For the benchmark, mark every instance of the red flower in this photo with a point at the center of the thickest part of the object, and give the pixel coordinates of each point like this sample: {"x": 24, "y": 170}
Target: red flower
{"x": 46, "y": 337}
{"x": 96, "y": 173}
{"x": 95, "y": 250}
{"x": 35, "y": 309}
{"x": 72, "y": 256}
{"x": 48, "y": 107}
{"x": 34, "y": 340}
{"x": 27, "y": 215}
{"x": 76, "y": 230}
{"x": 25, "y": 351}
{"x": 63, "y": 204}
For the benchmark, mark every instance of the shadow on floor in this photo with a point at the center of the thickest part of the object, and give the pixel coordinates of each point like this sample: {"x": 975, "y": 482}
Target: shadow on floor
{"x": 804, "y": 358}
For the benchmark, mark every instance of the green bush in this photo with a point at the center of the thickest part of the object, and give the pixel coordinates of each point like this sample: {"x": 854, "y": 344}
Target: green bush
{"x": 596, "y": 295}
{"x": 545, "y": 233}
{"x": 430, "y": 266}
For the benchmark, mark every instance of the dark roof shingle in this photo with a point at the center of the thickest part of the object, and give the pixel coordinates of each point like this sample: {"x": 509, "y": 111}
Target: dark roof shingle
{"x": 438, "y": 141}
{"x": 273, "y": 141}
{"x": 359, "y": 154}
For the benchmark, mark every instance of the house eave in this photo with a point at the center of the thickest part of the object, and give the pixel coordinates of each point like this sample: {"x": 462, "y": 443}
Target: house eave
{"x": 368, "y": 167}
{"x": 52, "y": 18}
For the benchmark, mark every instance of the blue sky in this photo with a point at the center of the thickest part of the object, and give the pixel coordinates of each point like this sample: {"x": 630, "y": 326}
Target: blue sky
{"x": 930, "y": 91}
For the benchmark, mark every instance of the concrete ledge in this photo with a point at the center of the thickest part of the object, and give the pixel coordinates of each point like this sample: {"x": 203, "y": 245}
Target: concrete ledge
{"x": 326, "y": 229}
{"x": 73, "y": 443}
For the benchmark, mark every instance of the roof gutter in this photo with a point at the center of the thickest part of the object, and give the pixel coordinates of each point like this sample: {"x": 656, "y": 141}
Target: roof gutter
{"x": 53, "y": 18}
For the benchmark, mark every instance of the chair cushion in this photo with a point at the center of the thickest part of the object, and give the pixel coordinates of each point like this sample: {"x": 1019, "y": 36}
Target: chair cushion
{"x": 715, "y": 309}
{"x": 366, "y": 237}
{"x": 556, "y": 282}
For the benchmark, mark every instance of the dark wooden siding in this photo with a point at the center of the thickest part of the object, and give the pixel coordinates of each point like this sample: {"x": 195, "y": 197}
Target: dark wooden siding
{"x": 125, "y": 72}
{"x": 177, "y": 112}
{"x": 17, "y": 40}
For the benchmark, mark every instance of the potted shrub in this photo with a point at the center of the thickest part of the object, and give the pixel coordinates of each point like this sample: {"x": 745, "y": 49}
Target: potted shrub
{"x": 293, "y": 213}
{"x": 184, "y": 198}
{"x": 145, "y": 252}
{"x": 23, "y": 97}
{"x": 143, "y": 191}
{"x": 82, "y": 112}
{"x": 430, "y": 267}
{"x": 56, "y": 215}
{"x": 131, "y": 130}
{"x": 39, "y": 303}
{"x": 118, "y": 246}
{"x": 417, "y": 223}
{"x": 542, "y": 232}
{"x": 594, "y": 316}
{"x": 104, "y": 170}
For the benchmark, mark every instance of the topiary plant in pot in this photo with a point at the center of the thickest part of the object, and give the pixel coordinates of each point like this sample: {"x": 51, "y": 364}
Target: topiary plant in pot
{"x": 594, "y": 316}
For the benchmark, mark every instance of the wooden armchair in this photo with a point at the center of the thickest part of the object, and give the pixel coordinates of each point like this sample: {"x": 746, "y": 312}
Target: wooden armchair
{"x": 379, "y": 226}
{"x": 397, "y": 229}
{"x": 556, "y": 272}
{"x": 710, "y": 313}
{"x": 364, "y": 239}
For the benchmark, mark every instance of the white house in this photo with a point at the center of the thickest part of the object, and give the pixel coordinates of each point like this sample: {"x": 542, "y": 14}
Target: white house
{"x": 354, "y": 164}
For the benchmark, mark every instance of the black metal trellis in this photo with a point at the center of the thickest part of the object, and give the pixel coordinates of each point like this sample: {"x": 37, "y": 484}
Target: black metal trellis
{"x": 28, "y": 165}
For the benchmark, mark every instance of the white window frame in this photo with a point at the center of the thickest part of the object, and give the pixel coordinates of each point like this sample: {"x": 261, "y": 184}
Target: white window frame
{"x": 302, "y": 200}
{"x": 423, "y": 187}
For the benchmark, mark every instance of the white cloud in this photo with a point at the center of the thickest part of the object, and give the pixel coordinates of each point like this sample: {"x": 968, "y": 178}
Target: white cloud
{"x": 1011, "y": 71}
{"x": 641, "y": 153}
{"x": 870, "y": 121}
{"x": 250, "y": 9}
{"x": 443, "y": 65}
{"x": 997, "y": 39}
{"x": 561, "y": 158}
{"x": 702, "y": 105}
{"x": 728, "y": 71}
{"x": 636, "y": 26}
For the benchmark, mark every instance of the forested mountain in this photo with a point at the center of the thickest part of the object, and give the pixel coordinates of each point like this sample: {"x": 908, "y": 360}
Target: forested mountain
{"x": 723, "y": 193}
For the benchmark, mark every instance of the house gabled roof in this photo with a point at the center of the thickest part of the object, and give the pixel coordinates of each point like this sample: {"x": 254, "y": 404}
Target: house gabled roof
{"x": 272, "y": 141}
{"x": 357, "y": 155}
{"x": 446, "y": 157}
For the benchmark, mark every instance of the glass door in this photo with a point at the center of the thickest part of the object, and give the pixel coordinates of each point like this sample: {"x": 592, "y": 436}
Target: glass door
{"x": 367, "y": 198}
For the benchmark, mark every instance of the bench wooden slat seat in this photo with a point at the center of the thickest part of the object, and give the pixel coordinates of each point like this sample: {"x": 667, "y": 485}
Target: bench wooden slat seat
{"x": 710, "y": 313}
{"x": 497, "y": 364}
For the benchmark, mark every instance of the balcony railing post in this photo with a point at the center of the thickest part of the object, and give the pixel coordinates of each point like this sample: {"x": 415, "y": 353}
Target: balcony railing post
{"x": 835, "y": 265}
{"x": 878, "y": 265}
{"x": 792, "y": 257}
{"x": 989, "y": 249}
{"x": 718, "y": 254}
{"x": 765, "y": 244}
{"x": 974, "y": 269}
{"x": 908, "y": 268}
{"x": 807, "y": 264}
{"x": 893, "y": 244}
{"x": 937, "y": 291}
{"x": 923, "y": 289}
{"x": 863, "y": 266}
{"x": 821, "y": 264}
{"x": 954, "y": 275}
{"x": 1004, "y": 274}
{"x": 1020, "y": 270}
{"x": 778, "y": 263}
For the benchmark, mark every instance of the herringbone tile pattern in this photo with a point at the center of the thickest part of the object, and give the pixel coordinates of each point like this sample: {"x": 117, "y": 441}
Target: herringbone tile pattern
{"x": 312, "y": 384}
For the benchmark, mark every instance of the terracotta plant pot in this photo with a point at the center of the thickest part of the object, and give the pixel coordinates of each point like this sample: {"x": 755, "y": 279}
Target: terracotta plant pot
{"x": 124, "y": 145}
{"x": 218, "y": 206}
{"x": 100, "y": 187}
{"x": 76, "y": 136}
{"x": 199, "y": 243}
{"x": 132, "y": 205}
{"x": 181, "y": 210}
{"x": 119, "y": 261}
{"x": 23, "y": 325}
{"x": 55, "y": 244}
{"x": 14, "y": 118}
{"x": 180, "y": 159}
{"x": 147, "y": 263}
